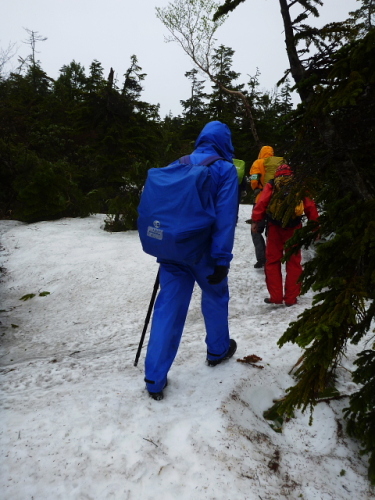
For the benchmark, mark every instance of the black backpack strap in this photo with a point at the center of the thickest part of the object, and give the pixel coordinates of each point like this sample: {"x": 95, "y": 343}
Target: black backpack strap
{"x": 205, "y": 163}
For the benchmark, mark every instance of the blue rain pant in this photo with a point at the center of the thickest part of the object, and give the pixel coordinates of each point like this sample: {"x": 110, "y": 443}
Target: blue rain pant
{"x": 171, "y": 307}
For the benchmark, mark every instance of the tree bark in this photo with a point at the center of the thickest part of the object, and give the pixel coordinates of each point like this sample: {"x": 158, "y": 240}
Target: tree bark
{"x": 325, "y": 126}
{"x": 296, "y": 68}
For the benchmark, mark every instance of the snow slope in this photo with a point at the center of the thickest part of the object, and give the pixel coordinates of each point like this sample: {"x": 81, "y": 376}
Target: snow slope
{"x": 77, "y": 422}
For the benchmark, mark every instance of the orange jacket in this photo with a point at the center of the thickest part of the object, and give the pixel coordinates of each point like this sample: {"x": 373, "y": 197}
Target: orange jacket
{"x": 257, "y": 169}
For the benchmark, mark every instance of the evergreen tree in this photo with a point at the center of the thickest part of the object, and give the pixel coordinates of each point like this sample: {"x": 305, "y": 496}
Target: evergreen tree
{"x": 363, "y": 19}
{"x": 38, "y": 183}
{"x": 129, "y": 145}
{"x": 195, "y": 106}
{"x": 95, "y": 81}
{"x": 335, "y": 163}
{"x": 271, "y": 111}
{"x": 194, "y": 112}
{"x": 74, "y": 146}
{"x": 175, "y": 141}
{"x": 224, "y": 106}
{"x": 132, "y": 87}
{"x": 286, "y": 105}
{"x": 344, "y": 305}
{"x": 71, "y": 83}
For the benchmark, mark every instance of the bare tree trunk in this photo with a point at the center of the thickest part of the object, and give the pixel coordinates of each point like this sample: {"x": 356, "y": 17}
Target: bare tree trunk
{"x": 296, "y": 68}
{"x": 326, "y": 127}
{"x": 111, "y": 78}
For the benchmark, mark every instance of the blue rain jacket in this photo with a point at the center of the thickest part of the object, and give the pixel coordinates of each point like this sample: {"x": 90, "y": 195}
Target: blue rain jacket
{"x": 215, "y": 138}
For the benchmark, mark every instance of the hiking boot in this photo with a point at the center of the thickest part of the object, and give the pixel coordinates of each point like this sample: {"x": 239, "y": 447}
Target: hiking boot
{"x": 259, "y": 264}
{"x": 232, "y": 349}
{"x": 269, "y": 301}
{"x": 289, "y": 305}
{"x": 158, "y": 396}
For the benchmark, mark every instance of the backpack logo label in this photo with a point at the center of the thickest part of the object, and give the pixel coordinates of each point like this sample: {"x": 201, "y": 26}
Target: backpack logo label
{"x": 154, "y": 232}
{"x": 156, "y": 224}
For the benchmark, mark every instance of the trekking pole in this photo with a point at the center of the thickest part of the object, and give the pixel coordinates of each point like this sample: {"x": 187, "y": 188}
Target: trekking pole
{"x": 147, "y": 320}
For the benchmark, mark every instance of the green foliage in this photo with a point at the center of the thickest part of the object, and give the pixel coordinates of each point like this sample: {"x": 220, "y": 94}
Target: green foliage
{"x": 275, "y": 417}
{"x": 334, "y": 129}
{"x": 28, "y": 296}
{"x": 224, "y": 106}
{"x": 47, "y": 191}
{"x": 363, "y": 18}
{"x": 193, "y": 27}
{"x": 337, "y": 162}
{"x": 195, "y": 109}
{"x": 227, "y": 6}
{"x": 122, "y": 209}
{"x": 361, "y": 411}
{"x": 73, "y": 147}
{"x": 284, "y": 202}
{"x": 272, "y": 114}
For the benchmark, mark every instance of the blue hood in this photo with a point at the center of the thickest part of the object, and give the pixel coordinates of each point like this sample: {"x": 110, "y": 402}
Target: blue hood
{"x": 217, "y": 135}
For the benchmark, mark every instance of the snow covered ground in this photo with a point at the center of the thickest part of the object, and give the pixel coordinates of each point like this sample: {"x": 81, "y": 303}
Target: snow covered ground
{"x": 77, "y": 422}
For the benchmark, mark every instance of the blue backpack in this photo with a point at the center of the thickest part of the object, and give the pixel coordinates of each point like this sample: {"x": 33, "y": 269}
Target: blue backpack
{"x": 176, "y": 211}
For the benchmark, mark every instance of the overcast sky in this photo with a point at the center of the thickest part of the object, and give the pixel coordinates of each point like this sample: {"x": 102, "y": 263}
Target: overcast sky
{"x": 111, "y": 31}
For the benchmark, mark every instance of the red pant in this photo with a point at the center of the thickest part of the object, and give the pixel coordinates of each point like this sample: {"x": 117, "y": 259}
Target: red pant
{"x": 276, "y": 239}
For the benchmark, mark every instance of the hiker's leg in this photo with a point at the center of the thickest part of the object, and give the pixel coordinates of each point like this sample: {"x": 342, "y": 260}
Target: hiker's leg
{"x": 171, "y": 306}
{"x": 259, "y": 243}
{"x": 274, "y": 254}
{"x": 293, "y": 272}
{"x": 215, "y": 299}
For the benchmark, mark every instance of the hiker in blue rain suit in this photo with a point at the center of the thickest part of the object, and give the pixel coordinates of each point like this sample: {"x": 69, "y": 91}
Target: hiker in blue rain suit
{"x": 177, "y": 279}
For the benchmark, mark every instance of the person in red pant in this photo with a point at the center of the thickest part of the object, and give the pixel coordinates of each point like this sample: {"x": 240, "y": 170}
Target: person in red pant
{"x": 277, "y": 236}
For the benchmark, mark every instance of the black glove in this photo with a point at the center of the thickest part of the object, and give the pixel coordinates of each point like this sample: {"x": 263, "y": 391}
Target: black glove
{"x": 220, "y": 272}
